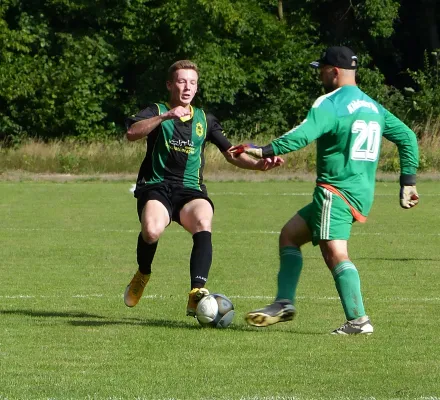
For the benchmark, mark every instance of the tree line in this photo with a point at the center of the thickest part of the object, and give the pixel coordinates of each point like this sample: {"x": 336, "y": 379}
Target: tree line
{"x": 78, "y": 68}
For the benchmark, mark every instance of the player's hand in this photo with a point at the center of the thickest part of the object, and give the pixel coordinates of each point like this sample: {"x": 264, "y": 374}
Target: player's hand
{"x": 408, "y": 196}
{"x": 177, "y": 112}
{"x": 265, "y": 164}
{"x": 251, "y": 149}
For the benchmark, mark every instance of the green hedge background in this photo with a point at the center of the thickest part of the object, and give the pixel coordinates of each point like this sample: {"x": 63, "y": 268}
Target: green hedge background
{"x": 78, "y": 68}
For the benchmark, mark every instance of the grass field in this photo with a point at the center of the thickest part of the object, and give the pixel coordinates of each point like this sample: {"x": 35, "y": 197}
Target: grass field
{"x": 68, "y": 251}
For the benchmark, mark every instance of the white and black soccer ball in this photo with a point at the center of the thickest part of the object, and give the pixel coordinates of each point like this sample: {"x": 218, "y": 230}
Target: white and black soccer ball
{"x": 215, "y": 311}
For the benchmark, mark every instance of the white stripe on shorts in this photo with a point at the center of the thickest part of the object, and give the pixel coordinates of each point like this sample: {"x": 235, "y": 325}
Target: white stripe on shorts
{"x": 326, "y": 214}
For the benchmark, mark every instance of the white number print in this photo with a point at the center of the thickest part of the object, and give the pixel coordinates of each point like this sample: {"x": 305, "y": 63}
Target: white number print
{"x": 367, "y": 142}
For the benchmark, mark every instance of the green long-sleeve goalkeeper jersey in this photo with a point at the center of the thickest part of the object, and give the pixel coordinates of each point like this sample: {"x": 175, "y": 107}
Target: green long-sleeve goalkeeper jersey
{"x": 348, "y": 127}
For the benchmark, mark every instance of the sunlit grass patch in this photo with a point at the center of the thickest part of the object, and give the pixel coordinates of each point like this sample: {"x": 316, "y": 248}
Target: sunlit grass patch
{"x": 68, "y": 251}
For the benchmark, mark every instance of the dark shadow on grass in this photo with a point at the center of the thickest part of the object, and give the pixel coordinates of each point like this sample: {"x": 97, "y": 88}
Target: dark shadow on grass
{"x": 262, "y": 330}
{"x": 89, "y": 320}
{"x": 161, "y": 323}
{"x": 193, "y": 325}
{"x": 86, "y": 319}
{"x": 55, "y": 314}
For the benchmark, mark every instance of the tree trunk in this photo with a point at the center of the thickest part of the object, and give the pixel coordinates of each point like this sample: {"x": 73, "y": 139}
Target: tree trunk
{"x": 280, "y": 10}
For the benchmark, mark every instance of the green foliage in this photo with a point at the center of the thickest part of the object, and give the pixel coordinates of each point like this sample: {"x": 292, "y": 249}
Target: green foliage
{"x": 426, "y": 97}
{"x": 254, "y": 71}
{"x": 353, "y": 22}
{"x": 78, "y": 68}
{"x": 378, "y": 16}
{"x": 71, "y": 70}
{"x": 265, "y": 77}
{"x": 372, "y": 81}
{"x": 52, "y": 83}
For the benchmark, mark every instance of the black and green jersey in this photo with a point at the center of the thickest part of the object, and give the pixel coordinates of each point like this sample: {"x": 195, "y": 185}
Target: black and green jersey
{"x": 175, "y": 149}
{"x": 348, "y": 127}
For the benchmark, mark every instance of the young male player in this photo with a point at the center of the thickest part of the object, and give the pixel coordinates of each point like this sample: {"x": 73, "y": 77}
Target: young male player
{"x": 170, "y": 185}
{"x": 348, "y": 127}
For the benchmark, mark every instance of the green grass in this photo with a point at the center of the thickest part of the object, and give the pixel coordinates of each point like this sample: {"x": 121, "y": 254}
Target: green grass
{"x": 68, "y": 251}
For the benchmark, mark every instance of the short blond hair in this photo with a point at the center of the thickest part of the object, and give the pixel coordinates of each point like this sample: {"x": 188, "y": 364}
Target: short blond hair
{"x": 181, "y": 64}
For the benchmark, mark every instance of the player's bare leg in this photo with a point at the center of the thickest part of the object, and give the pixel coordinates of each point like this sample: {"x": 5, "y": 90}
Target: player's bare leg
{"x": 154, "y": 220}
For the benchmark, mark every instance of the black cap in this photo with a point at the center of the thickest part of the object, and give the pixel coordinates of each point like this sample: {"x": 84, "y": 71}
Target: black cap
{"x": 337, "y": 56}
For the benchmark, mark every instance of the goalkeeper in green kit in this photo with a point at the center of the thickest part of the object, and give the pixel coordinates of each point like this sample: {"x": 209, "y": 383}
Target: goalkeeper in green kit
{"x": 348, "y": 127}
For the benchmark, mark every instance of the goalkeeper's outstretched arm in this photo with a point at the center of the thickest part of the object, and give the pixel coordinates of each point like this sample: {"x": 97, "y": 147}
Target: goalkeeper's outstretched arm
{"x": 242, "y": 160}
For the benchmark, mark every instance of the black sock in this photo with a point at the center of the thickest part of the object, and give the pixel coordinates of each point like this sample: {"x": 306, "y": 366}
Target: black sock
{"x": 201, "y": 259}
{"x": 145, "y": 254}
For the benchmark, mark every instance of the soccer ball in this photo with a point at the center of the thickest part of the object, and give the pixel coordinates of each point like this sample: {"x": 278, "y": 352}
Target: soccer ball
{"x": 215, "y": 311}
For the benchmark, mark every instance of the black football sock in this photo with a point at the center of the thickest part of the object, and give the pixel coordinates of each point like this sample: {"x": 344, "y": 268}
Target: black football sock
{"x": 145, "y": 254}
{"x": 201, "y": 259}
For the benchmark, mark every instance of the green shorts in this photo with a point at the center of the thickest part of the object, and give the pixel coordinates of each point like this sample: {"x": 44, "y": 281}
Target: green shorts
{"x": 328, "y": 216}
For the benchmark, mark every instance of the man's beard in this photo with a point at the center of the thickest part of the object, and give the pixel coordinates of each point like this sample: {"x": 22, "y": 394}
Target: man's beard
{"x": 328, "y": 87}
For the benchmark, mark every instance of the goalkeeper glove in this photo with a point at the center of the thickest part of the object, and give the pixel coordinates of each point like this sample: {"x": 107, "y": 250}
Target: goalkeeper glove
{"x": 408, "y": 192}
{"x": 408, "y": 196}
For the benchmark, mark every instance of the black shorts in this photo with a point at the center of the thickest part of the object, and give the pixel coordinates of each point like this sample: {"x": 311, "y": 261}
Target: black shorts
{"x": 173, "y": 197}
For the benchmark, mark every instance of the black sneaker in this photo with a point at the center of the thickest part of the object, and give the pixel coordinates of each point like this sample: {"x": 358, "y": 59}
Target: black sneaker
{"x": 353, "y": 328}
{"x": 279, "y": 311}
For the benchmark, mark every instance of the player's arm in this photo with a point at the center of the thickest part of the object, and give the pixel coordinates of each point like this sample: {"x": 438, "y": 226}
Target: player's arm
{"x": 246, "y": 162}
{"x": 217, "y": 137}
{"x": 406, "y": 141}
{"x": 143, "y": 123}
{"x": 320, "y": 119}
{"x": 143, "y": 128}
{"x": 146, "y": 121}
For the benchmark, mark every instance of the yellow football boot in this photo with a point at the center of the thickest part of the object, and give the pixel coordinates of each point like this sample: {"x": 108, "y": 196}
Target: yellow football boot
{"x": 134, "y": 290}
{"x": 194, "y": 297}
